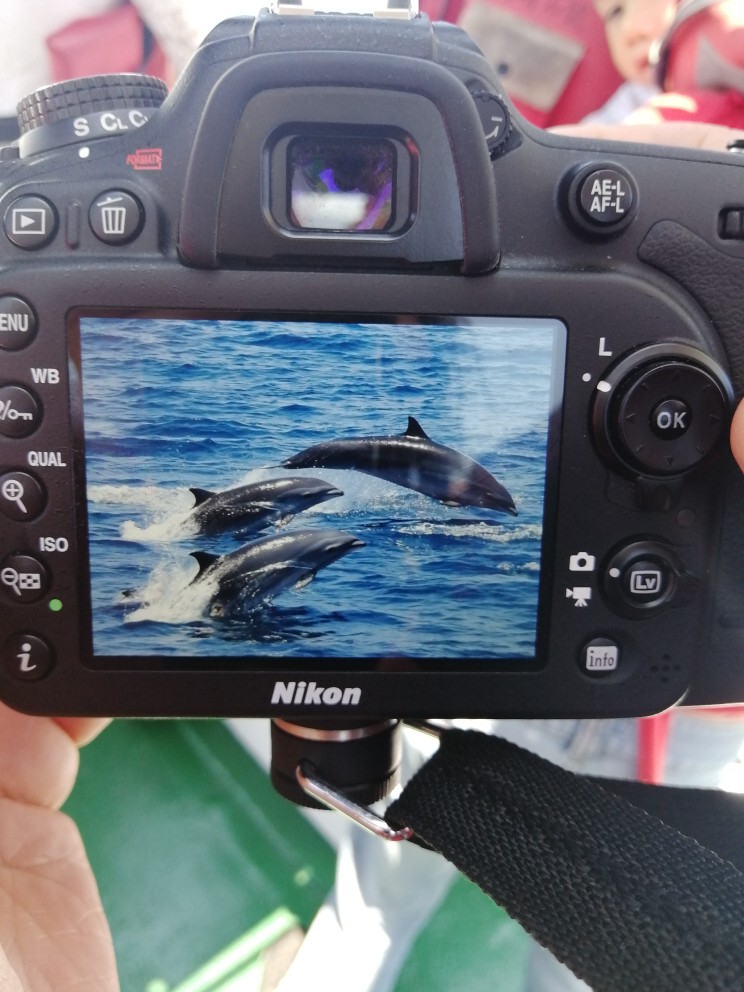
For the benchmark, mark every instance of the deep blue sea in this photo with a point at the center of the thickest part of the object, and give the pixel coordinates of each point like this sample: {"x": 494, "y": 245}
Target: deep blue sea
{"x": 171, "y": 403}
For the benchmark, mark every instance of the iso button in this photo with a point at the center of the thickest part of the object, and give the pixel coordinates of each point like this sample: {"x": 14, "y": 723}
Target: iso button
{"x": 30, "y": 222}
{"x": 116, "y": 217}
{"x": 23, "y": 579}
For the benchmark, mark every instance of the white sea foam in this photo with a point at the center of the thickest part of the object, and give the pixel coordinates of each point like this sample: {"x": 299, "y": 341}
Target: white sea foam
{"x": 169, "y": 596}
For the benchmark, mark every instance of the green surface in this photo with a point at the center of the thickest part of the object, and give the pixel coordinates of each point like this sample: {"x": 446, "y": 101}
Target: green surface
{"x": 191, "y": 846}
{"x": 470, "y": 945}
{"x": 202, "y": 866}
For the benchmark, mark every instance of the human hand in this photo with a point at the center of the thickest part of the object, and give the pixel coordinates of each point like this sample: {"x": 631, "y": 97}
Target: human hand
{"x": 737, "y": 435}
{"x": 53, "y": 932}
{"x": 686, "y": 134}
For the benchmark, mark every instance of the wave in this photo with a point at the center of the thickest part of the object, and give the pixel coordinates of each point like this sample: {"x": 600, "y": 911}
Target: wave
{"x": 169, "y": 596}
{"x": 494, "y": 533}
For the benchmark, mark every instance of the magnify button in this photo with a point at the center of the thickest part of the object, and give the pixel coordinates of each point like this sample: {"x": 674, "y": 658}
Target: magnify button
{"x": 22, "y": 497}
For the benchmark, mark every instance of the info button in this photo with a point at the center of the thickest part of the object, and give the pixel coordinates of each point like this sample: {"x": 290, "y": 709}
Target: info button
{"x": 27, "y": 657}
{"x": 600, "y": 656}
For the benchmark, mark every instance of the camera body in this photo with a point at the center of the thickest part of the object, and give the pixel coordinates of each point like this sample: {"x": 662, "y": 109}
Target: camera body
{"x": 332, "y": 389}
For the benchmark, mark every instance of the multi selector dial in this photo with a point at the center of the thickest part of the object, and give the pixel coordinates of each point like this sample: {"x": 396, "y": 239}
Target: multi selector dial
{"x": 662, "y": 410}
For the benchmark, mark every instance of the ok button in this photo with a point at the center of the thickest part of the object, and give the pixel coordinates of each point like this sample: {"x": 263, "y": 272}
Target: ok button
{"x": 671, "y": 419}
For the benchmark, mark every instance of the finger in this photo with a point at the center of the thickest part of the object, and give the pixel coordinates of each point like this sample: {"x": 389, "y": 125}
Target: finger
{"x": 688, "y": 134}
{"x": 40, "y": 759}
{"x": 82, "y": 729}
{"x": 52, "y": 925}
{"x": 737, "y": 435}
{"x": 9, "y": 981}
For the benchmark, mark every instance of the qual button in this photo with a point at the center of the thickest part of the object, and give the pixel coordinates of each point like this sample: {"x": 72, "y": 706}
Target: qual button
{"x": 22, "y": 497}
{"x": 116, "y": 217}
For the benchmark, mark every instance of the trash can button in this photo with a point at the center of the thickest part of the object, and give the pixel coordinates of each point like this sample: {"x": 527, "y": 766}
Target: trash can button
{"x": 116, "y": 217}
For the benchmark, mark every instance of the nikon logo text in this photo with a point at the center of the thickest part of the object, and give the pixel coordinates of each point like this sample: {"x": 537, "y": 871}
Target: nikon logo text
{"x": 312, "y": 694}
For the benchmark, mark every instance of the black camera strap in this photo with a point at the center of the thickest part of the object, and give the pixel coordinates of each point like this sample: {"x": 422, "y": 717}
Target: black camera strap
{"x": 632, "y": 886}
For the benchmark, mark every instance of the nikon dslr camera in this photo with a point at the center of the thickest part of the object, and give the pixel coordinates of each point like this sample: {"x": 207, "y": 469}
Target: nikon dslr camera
{"x": 333, "y": 390}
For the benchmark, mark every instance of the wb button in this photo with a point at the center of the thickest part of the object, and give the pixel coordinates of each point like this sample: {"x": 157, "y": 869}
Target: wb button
{"x": 671, "y": 419}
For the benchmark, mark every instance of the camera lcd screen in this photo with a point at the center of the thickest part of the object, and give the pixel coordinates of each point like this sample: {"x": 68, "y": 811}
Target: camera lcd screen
{"x": 271, "y": 490}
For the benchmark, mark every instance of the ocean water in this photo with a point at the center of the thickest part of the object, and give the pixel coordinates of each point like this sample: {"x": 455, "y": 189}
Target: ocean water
{"x": 171, "y": 404}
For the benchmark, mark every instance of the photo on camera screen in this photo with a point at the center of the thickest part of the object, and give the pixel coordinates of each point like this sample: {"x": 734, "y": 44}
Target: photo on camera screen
{"x": 317, "y": 488}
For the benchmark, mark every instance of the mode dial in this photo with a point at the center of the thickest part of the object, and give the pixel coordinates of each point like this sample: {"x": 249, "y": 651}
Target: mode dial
{"x": 83, "y": 110}
{"x": 662, "y": 410}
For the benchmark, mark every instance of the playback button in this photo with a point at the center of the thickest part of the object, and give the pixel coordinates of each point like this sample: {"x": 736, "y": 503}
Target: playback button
{"x": 30, "y": 222}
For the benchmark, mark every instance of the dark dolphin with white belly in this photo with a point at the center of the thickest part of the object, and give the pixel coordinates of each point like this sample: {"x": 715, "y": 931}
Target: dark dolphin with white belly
{"x": 413, "y": 460}
{"x": 250, "y": 509}
{"x": 262, "y": 569}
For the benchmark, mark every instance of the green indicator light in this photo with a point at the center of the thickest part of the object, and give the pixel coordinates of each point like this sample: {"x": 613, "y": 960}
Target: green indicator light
{"x": 55, "y": 605}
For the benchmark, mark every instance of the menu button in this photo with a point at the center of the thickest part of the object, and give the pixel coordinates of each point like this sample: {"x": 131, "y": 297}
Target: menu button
{"x": 17, "y": 323}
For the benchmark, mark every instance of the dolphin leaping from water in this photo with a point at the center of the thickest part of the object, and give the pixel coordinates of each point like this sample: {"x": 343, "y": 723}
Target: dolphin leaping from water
{"x": 242, "y": 579}
{"x": 413, "y": 460}
{"x": 252, "y": 508}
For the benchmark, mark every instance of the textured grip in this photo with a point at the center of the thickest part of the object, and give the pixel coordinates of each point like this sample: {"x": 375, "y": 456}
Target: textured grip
{"x": 715, "y": 279}
{"x": 91, "y": 94}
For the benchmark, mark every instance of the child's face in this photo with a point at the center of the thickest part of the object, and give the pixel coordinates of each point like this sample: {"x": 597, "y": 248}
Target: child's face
{"x": 632, "y": 27}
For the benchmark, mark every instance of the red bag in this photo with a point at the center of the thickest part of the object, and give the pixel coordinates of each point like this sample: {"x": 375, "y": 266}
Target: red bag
{"x": 552, "y": 55}
{"x": 117, "y": 41}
